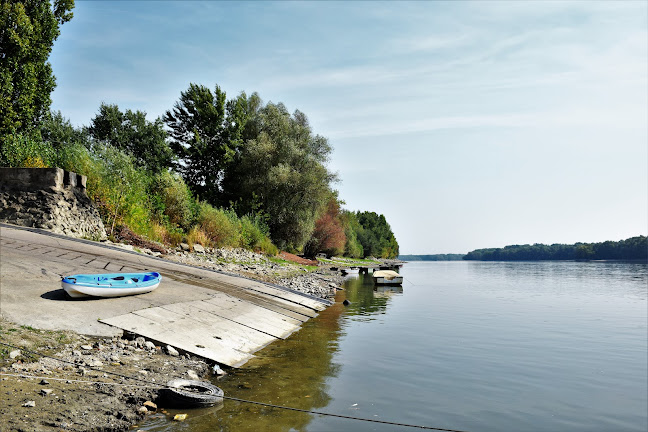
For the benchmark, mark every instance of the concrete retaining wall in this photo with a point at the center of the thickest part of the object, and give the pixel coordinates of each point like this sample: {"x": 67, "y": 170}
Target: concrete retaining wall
{"x": 49, "y": 198}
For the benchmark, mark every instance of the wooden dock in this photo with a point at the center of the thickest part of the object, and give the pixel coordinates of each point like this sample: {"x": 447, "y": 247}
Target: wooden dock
{"x": 217, "y": 316}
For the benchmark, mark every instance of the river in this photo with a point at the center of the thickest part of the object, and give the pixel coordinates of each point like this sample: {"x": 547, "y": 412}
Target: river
{"x": 471, "y": 346}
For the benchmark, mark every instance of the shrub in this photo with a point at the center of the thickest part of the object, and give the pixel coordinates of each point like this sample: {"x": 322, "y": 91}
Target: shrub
{"x": 218, "y": 227}
{"x": 198, "y": 236}
{"x": 174, "y": 202}
{"x": 23, "y": 151}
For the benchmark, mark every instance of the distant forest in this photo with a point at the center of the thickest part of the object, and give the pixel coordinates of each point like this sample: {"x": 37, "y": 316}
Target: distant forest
{"x": 635, "y": 248}
{"x": 435, "y": 257}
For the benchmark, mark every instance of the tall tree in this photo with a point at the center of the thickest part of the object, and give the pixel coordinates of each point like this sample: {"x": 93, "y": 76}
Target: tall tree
{"x": 132, "y": 132}
{"x": 205, "y": 133}
{"x": 281, "y": 172}
{"x": 28, "y": 30}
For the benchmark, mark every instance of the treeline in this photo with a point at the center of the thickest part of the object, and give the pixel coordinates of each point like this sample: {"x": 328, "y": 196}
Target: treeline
{"x": 434, "y": 257}
{"x": 212, "y": 170}
{"x": 635, "y": 248}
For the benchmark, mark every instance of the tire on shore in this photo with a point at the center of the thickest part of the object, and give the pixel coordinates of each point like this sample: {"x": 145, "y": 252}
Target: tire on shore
{"x": 182, "y": 393}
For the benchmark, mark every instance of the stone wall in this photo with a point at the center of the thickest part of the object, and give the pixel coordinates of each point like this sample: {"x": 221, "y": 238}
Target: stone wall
{"x": 49, "y": 198}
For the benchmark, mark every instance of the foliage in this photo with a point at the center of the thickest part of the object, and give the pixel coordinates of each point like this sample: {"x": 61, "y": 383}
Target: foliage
{"x": 328, "y": 235}
{"x": 281, "y": 171}
{"x": 131, "y": 132}
{"x": 173, "y": 201}
{"x": 28, "y": 30}
{"x": 353, "y": 248}
{"x": 218, "y": 226}
{"x": 635, "y": 248}
{"x": 376, "y": 236}
{"x": 205, "y": 132}
{"x": 59, "y": 132}
{"x": 22, "y": 150}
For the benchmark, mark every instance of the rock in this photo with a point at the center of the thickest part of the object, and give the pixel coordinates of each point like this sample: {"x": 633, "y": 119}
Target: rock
{"x": 86, "y": 347}
{"x": 142, "y": 410}
{"x": 172, "y": 351}
{"x": 184, "y": 246}
{"x": 198, "y": 248}
{"x": 149, "y": 345}
{"x": 150, "y": 406}
{"x": 46, "y": 392}
{"x": 15, "y": 353}
{"x": 29, "y": 404}
{"x": 140, "y": 341}
{"x": 218, "y": 371}
{"x": 346, "y": 302}
{"x": 44, "y": 382}
{"x": 193, "y": 375}
{"x": 95, "y": 363}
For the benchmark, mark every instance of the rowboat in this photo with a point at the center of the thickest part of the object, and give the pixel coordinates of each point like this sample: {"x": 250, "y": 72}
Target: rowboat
{"x": 110, "y": 284}
{"x": 387, "y": 277}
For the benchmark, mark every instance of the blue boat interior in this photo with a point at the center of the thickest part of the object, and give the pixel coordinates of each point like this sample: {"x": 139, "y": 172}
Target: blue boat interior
{"x": 114, "y": 279}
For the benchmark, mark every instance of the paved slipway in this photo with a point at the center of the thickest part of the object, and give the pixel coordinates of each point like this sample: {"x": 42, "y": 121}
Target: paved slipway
{"x": 216, "y": 316}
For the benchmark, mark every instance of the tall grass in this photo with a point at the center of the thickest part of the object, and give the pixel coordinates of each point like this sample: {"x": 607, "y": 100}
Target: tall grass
{"x": 160, "y": 207}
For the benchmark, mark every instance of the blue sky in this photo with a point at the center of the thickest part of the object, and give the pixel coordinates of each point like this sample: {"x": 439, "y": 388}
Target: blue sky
{"x": 467, "y": 124}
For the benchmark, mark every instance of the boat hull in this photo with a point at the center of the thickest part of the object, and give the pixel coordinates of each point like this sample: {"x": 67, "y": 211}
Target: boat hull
{"x": 387, "y": 277}
{"x": 110, "y": 285}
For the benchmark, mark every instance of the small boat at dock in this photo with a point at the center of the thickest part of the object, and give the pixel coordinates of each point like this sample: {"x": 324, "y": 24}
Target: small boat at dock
{"x": 110, "y": 284}
{"x": 387, "y": 277}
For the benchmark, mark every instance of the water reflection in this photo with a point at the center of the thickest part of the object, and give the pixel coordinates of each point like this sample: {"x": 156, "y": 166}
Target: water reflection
{"x": 292, "y": 372}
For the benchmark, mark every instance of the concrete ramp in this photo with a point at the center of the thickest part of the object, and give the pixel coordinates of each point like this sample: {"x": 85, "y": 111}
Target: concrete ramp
{"x": 220, "y": 317}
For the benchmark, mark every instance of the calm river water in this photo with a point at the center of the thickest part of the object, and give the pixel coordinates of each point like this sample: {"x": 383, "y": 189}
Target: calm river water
{"x": 473, "y": 346}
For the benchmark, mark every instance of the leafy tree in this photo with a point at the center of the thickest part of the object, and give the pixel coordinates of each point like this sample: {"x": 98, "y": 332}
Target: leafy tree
{"x": 28, "y": 30}
{"x": 206, "y": 131}
{"x": 60, "y": 133}
{"x": 328, "y": 235}
{"x": 353, "y": 248}
{"x": 376, "y": 236}
{"x": 131, "y": 132}
{"x": 281, "y": 172}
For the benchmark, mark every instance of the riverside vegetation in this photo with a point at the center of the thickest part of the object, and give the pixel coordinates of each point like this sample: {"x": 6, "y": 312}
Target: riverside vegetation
{"x": 212, "y": 171}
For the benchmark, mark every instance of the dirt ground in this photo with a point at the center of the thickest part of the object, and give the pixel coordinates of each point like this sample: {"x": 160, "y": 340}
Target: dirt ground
{"x": 79, "y": 393}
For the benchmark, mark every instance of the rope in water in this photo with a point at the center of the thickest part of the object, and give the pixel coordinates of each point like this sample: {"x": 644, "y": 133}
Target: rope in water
{"x": 161, "y": 386}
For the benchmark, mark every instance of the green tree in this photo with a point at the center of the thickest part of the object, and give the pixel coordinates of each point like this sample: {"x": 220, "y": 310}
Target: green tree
{"x": 28, "y": 30}
{"x": 206, "y": 132}
{"x": 281, "y": 172}
{"x": 376, "y": 236}
{"x": 60, "y": 133}
{"x": 131, "y": 132}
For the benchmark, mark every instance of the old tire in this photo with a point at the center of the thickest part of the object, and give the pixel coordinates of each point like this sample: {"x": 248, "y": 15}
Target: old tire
{"x": 182, "y": 393}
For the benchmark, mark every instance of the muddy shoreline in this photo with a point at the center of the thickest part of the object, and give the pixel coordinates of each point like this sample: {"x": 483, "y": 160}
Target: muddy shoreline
{"x": 75, "y": 390}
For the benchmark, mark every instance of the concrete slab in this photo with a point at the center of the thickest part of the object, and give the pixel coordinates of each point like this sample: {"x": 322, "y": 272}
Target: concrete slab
{"x": 214, "y": 315}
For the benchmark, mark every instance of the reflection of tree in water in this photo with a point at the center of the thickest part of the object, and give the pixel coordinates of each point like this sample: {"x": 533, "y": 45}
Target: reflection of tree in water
{"x": 290, "y": 373}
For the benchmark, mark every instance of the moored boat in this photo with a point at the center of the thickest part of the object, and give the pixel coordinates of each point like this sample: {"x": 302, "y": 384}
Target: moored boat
{"x": 387, "y": 277}
{"x": 110, "y": 284}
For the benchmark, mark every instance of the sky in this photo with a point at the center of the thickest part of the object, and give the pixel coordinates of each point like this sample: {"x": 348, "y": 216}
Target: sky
{"x": 467, "y": 124}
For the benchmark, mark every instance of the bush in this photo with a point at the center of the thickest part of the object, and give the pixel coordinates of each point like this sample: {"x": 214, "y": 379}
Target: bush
{"x": 23, "y": 151}
{"x": 218, "y": 227}
{"x": 173, "y": 201}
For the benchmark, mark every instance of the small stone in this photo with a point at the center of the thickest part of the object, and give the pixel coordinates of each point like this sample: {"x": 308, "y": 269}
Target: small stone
{"x": 86, "y": 347}
{"x": 184, "y": 246}
{"x": 44, "y": 382}
{"x": 46, "y": 392}
{"x": 95, "y": 363}
{"x": 198, "y": 248}
{"x": 172, "y": 351}
{"x": 218, "y": 371}
{"x": 29, "y": 404}
{"x": 150, "y": 406}
{"x": 139, "y": 342}
{"x": 143, "y": 372}
{"x": 193, "y": 375}
{"x": 346, "y": 302}
{"x": 142, "y": 410}
{"x": 13, "y": 354}
{"x": 149, "y": 345}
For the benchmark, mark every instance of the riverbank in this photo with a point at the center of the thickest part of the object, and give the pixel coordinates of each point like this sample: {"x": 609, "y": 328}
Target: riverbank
{"x": 77, "y": 393}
